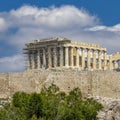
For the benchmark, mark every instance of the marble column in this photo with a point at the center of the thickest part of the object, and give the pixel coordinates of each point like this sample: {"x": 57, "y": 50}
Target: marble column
{"x": 55, "y": 56}
{"x": 66, "y": 56}
{"x": 33, "y": 60}
{"x": 71, "y": 57}
{"x": 94, "y": 59}
{"x": 99, "y": 60}
{"x": 49, "y": 58}
{"x": 77, "y": 57}
{"x": 38, "y": 59}
{"x": 105, "y": 60}
{"x": 44, "y": 58}
{"x": 110, "y": 63}
{"x": 88, "y": 58}
{"x": 116, "y": 65}
{"x": 28, "y": 61}
{"x": 61, "y": 56}
{"x": 83, "y": 58}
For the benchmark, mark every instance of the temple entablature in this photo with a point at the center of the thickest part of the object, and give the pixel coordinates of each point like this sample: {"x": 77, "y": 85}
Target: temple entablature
{"x": 61, "y": 53}
{"x": 116, "y": 56}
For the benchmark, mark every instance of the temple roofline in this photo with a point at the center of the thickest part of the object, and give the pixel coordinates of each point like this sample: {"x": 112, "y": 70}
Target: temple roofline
{"x": 62, "y": 39}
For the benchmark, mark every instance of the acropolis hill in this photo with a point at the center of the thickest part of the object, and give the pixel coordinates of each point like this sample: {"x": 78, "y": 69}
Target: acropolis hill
{"x": 68, "y": 64}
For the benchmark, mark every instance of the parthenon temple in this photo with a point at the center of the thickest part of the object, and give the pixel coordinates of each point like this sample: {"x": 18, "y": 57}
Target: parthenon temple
{"x": 55, "y": 53}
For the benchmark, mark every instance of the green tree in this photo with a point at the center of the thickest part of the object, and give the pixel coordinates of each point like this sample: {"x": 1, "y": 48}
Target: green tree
{"x": 10, "y": 112}
{"x": 90, "y": 109}
{"x": 72, "y": 106}
{"x": 21, "y": 100}
{"x": 50, "y": 104}
{"x": 34, "y": 106}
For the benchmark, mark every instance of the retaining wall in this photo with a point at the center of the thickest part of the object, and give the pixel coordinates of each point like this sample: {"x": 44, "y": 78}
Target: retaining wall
{"x": 95, "y": 83}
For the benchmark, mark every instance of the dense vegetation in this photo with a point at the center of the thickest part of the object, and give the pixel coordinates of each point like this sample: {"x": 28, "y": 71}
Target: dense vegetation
{"x": 50, "y": 104}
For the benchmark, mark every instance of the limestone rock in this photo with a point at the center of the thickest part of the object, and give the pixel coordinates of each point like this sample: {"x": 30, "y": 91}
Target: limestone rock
{"x": 111, "y": 109}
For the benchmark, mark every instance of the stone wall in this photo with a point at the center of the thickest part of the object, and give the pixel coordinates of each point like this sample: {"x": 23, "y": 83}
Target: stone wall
{"x": 96, "y": 83}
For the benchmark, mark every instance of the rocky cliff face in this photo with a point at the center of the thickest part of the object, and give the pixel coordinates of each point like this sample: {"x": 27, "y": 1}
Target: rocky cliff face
{"x": 111, "y": 109}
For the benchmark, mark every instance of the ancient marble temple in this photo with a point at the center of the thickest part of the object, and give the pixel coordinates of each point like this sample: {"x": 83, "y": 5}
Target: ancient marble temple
{"x": 62, "y": 53}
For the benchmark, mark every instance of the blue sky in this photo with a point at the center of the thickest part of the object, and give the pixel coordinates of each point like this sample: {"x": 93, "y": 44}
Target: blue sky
{"x": 95, "y": 21}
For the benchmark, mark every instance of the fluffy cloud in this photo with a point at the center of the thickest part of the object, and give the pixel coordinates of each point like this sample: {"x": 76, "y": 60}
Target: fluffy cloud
{"x": 114, "y": 29}
{"x": 64, "y": 16}
{"x": 29, "y": 22}
{"x": 2, "y": 24}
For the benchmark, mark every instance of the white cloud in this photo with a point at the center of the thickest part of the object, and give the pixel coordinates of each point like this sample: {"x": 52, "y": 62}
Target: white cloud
{"x": 2, "y": 24}
{"x": 25, "y": 11}
{"x": 29, "y": 22}
{"x": 12, "y": 64}
{"x": 64, "y": 16}
{"x": 32, "y": 22}
{"x": 115, "y": 28}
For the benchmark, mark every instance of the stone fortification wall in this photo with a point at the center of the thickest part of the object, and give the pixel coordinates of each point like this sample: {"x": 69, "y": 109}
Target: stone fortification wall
{"x": 96, "y": 83}
{"x": 26, "y": 81}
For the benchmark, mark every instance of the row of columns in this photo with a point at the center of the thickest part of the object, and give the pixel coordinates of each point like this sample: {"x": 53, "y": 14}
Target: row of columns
{"x": 114, "y": 64}
{"x": 34, "y": 59}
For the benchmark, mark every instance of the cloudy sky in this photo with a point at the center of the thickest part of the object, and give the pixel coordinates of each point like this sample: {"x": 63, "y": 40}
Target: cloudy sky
{"x": 21, "y": 21}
